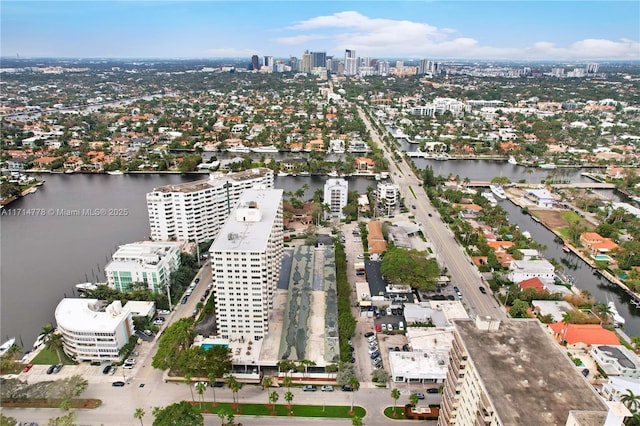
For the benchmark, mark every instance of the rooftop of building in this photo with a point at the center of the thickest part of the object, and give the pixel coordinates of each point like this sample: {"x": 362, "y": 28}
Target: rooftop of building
{"x": 526, "y": 375}
{"x": 89, "y": 315}
{"x": 248, "y": 226}
{"x": 147, "y": 252}
{"x": 215, "y": 180}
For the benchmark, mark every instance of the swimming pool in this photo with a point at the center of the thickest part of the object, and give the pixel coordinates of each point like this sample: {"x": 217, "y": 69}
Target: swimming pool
{"x": 601, "y": 257}
{"x": 206, "y": 346}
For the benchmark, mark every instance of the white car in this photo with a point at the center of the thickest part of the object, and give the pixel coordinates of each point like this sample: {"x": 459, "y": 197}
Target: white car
{"x": 164, "y": 312}
{"x": 360, "y": 256}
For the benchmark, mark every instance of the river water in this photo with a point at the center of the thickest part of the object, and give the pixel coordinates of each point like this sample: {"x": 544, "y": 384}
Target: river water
{"x": 44, "y": 256}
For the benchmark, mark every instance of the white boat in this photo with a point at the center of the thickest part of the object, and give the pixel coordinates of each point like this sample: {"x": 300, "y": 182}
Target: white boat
{"x": 39, "y": 341}
{"x": 617, "y": 319}
{"x": 68, "y": 171}
{"x": 4, "y": 348}
{"x": 548, "y": 166}
{"x": 283, "y": 174}
{"x": 512, "y": 160}
{"x": 333, "y": 173}
{"x": 269, "y": 148}
{"x": 442, "y": 157}
{"x": 82, "y": 287}
{"x": 489, "y": 196}
{"x": 116, "y": 173}
{"x": 498, "y": 191}
{"x": 239, "y": 148}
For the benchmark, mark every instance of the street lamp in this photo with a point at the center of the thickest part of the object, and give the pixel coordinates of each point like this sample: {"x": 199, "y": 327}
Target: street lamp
{"x": 168, "y": 286}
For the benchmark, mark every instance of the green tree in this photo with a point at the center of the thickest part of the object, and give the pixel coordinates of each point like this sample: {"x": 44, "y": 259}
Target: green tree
{"x": 273, "y": 398}
{"x": 356, "y": 421}
{"x": 631, "y": 401}
{"x": 200, "y": 388}
{"x": 139, "y": 414}
{"x": 212, "y": 380}
{"x": 235, "y": 389}
{"x": 395, "y": 395}
{"x": 7, "y": 421}
{"x": 288, "y": 396}
{"x": 176, "y": 338}
{"x": 287, "y": 382}
{"x": 354, "y": 383}
{"x": 519, "y": 309}
{"x": 402, "y": 266}
{"x": 345, "y": 374}
{"x": 68, "y": 388}
{"x": 178, "y": 414}
{"x": 66, "y": 420}
{"x": 413, "y": 399}
{"x": 379, "y": 376}
{"x": 53, "y": 342}
{"x": 187, "y": 380}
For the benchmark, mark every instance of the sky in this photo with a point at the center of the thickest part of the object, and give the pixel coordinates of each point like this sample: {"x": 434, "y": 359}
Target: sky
{"x": 440, "y": 29}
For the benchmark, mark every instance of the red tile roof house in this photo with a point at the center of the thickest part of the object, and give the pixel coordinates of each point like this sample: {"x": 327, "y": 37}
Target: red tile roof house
{"x": 596, "y": 243}
{"x": 583, "y": 336}
{"x": 534, "y": 282}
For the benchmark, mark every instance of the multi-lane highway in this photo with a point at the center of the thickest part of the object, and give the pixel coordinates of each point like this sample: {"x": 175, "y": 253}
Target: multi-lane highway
{"x": 463, "y": 272}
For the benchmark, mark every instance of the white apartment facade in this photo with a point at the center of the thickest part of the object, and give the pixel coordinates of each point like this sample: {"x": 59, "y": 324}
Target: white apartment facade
{"x": 521, "y": 270}
{"x": 246, "y": 258}
{"x": 335, "y": 196}
{"x": 148, "y": 262}
{"x": 196, "y": 211}
{"x": 92, "y": 332}
{"x": 388, "y": 195}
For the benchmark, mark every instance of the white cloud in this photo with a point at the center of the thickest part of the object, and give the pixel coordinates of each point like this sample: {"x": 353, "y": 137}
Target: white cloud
{"x": 387, "y": 37}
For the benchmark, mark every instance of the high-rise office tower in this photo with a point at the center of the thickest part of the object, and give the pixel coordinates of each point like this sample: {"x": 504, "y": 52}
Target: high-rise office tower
{"x": 294, "y": 64}
{"x": 319, "y": 59}
{"x": 350, "y": 62}
{"x": 268, "y": 63}
{"x": 246, "y": 259}
{"x": 307, "y": 62}
{"x": 255, "y": 62}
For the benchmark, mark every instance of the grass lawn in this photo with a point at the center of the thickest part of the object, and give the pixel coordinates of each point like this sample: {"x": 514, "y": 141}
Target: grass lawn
{"x": 47, "y": 357}
{"x": 388, "y": 412}
{"x": 86, "y": 403}
{"x": 570, "y": 216}
{"x": 332, "y": 411}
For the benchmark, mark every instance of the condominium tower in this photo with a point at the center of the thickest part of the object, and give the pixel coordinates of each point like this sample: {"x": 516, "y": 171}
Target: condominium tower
{"x": 195, "y": 211}
{"x": 350, "y": 62}
{"x": 513, "y": 373}
{"x": 246, "y": 257}
{"x": 336, "y": 192}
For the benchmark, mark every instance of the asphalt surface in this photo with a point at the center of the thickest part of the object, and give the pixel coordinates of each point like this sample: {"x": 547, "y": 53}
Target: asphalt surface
{"x": 449, "y": 253}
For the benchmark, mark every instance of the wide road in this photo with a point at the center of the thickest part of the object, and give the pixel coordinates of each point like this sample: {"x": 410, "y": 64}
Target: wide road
{"x": 464, "y": 274}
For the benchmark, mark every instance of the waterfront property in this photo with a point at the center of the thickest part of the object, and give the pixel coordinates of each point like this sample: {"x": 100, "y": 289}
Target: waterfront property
{"x": 195, "y": 211}
{"x": 246, "y": 259}
{"x": 147, "y": 262}
{"x": 541, "y": 197}
{"x": 616, "y": 360}
{"x": 335, "y": 196}
{"x": 91, "y": 331}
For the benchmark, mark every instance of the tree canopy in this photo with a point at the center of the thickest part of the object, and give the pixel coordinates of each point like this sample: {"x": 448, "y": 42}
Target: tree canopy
{"x": 411, "y": 267}
{"x": 179, "y": 414}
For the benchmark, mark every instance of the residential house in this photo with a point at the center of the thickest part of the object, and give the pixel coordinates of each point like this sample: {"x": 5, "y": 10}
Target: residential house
{"x": 616, "y": 360}
{"x": 596, "y": 243}
{"x": 582, "y": 336}
{"x": 617, "y": 386}
{"x": 520, "y": 270}
{"x": 365, "y": 164}
{"x": 534, "y": 283}
{"x": 541, "y": 197}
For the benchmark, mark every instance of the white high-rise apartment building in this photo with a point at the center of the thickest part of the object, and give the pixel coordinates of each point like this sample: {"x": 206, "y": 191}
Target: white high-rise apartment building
{"x": 350, "y": 62}
{"x": 388, "y": 195}
{"x": 148, "y": 262}
{"x": 335, "y": 196}
{"x": 513, "y": 373}
{"x": 92, "y": 332}
{"x": 246, "y": 258}
{"x": 195, "y": 211}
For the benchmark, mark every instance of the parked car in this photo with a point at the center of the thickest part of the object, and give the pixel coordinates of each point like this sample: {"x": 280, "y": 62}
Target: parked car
{"x": 130, "y": 361}
{"x": 158, "y": 322}
{"x": 309, "y": 388}
{"x": 585, "y": 372}
{"x": 197, "y": 280}
{"x": 27, "y": 368}
{"x": 184, "y": 299}
{"x": 368, "y": 334}
{"x": 164, "y": 312}
{"x": 327, "y": 388}
{"x": 113, "y": 371}
{"x": 420, "y": 395}
{"x": 375, "y": 354}
{"x": 389, "y": 327}
{"x": 373, "y": 350}
{"x": 377, "y": 361}
{"x": 346, "y": 388}
{"x": 378, "y": 328}
{"x": 432, "y": 390}
{"x": 217, "y": 384}
{"x": 106, "y": 370}
{"x": 50, "y": 369}
{"x": 57, "y": 368}
{"x": 384, "y": 327}
{"x": 482, "y": 290}
{"x": 117, "y": 384}
{"x": 148, "y": 332}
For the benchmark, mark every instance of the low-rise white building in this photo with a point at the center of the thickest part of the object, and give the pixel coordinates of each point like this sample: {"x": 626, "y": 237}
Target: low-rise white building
{"x": 616, "y": 360}
{"x": 148, "y": 262}
{"x": 521, "y": 270}
{"x": 616, "y": 387}
{"x": 541, "y": 197}
{"x": 388, "y": 195}
{"x": 428, "y": 360}
{"x": 92, "y": 332}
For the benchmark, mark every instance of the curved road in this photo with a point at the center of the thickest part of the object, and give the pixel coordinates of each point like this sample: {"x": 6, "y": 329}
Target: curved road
{"x": 464, "y": 273}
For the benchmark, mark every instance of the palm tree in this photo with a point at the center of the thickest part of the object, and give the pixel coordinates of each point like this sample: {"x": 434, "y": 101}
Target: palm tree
{"x": 266, "y": 383}
{"x": 395, "y": 394}
{"x": 200, "y": 388}
{"x": 273, "y": 398}
{"x": 287, "y": 382}
{"x": 354, "y": 383}
{"x": 235, "y": 388}
{"x": 413, "y": 399}
{"x": 139, "y": 414}
{"x": 288, "y": 396}
{"x": 631, "y": 401}
{"x": 356, "y": 421}
{"x": 54, "y": 342}
{"x": 212, "y": 379}
{"x": 229, "y": 380}
{"x": 187, "y": 379}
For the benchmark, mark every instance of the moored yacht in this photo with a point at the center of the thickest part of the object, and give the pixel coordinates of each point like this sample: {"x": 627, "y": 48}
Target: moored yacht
{"x": 269, "y": 148}
{"x": 512, "y": 160}
{"x": 239, "y": 148}
{"x": 618, "y": 320}
{"x": 498, "y": 192}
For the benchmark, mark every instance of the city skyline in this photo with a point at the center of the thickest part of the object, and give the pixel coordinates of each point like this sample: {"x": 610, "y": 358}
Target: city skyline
{"x": 502, "y": 30}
